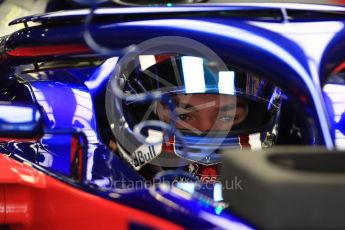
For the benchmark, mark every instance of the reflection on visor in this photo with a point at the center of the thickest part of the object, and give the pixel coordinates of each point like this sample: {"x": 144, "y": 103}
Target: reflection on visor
{"x": 197, "y": 80}
{"x": 146, "y": 61}
{"x": 221, "y": 107}
{"x": 226, "y": 84}
{"x": 193, "y": 74}
{"x": 189, "y": 74}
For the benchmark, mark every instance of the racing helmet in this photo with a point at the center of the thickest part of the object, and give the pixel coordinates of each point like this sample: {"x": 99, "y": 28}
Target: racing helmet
{"x": 172, "y": 111}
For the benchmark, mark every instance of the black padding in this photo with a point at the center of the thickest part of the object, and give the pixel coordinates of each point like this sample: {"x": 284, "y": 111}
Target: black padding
{"x": 286, "y": 188}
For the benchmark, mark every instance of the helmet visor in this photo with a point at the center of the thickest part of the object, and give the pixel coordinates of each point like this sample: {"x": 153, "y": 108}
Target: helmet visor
{"x": 207, "y": 104}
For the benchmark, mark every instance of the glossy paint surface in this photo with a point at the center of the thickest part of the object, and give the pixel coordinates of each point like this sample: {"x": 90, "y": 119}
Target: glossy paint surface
{"x": 274, "y": 49}
{"x": 116, "y": 180}
{"x": 249, "y": 49}
{"x": 79, "y": 14}
{"x": 32, "y": 200}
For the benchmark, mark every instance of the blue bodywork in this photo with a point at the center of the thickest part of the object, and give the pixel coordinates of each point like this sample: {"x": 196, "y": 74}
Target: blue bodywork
{"x": 69, "y": 98}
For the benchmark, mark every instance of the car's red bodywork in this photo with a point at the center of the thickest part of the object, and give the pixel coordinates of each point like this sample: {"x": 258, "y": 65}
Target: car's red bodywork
{"x": 31, "y": 199}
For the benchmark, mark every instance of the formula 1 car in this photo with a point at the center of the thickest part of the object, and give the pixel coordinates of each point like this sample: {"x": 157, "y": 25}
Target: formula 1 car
{"x": 59, "y": 170}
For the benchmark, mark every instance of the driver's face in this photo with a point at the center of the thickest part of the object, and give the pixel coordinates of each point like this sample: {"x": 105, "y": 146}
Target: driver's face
{"x": 206, "y": 112}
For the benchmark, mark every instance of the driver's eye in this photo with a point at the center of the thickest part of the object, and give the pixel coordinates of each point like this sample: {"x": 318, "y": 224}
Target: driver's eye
{"x": 184, "y": 117}
{"x": 226, "y": 118}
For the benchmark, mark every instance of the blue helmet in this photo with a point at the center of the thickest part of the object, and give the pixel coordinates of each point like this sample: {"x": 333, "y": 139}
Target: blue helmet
{"x": 168, "y": 111}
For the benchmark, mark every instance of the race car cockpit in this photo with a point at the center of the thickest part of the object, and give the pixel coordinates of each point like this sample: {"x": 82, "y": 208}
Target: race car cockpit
{"x": 193, "y": 97}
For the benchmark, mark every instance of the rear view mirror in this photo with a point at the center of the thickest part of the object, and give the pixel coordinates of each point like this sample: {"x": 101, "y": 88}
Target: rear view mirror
{"x": 78, "y": 156}
{"x": 20, "y": 121}
{"x": 63, "y": 152}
